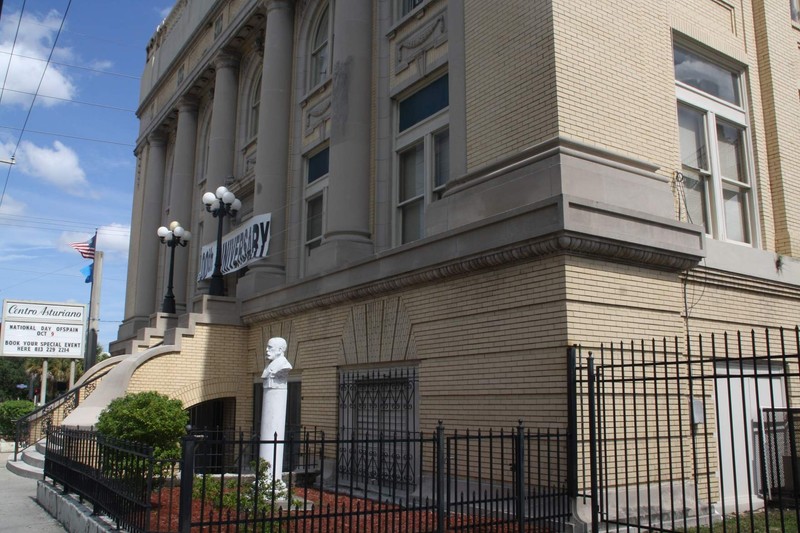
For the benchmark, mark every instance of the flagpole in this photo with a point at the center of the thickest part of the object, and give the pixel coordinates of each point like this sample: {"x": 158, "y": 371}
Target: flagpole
{"x": 90, "y": 357}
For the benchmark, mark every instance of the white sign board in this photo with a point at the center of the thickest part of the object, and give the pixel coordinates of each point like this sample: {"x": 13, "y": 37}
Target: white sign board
{"x": 43, "y": 329}
{"x": 246, "y": 244}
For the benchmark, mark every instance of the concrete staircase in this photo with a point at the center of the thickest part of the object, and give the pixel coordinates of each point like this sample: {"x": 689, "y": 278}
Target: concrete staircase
{"x": 30, "y": 463}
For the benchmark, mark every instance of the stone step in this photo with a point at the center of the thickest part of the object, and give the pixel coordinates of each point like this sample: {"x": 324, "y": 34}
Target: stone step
{"x": 33, "y": 457}
{"x": 21, "y": 468}
{"x": 41, "y": 446}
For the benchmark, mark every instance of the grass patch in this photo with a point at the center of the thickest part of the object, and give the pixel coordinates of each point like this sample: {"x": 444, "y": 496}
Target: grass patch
{"x": 755, "y": 522}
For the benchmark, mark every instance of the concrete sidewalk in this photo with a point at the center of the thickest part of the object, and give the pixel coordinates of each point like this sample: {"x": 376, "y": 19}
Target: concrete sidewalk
{"x": 19, "y": 510}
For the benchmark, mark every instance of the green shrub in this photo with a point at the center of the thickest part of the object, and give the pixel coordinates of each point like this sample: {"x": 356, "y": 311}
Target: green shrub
{"x": 148, "y": 418}
{"x": 10, "y": 411}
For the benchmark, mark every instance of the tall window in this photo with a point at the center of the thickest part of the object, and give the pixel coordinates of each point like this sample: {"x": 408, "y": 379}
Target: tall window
{"x": 423, "y": 163}
{"x": 794, "y": 6}
{"x": 715, "y": 148}
{"x": 319, "y": 59}
{"x": 252, "y": 115}
{"x": 316, "y": 175}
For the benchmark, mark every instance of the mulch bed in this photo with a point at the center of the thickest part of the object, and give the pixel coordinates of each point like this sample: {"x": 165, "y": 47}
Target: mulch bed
{"x": 331, "y": 513}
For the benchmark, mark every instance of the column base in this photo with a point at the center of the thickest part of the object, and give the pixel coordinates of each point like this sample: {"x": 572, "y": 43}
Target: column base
{"x": 335, "y": 253}
{"x": 259, "y": 279}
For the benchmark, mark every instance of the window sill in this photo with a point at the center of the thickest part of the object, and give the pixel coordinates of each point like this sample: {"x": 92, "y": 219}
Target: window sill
{"x": 317, "y": 90}
{"x": 415, "y": 14}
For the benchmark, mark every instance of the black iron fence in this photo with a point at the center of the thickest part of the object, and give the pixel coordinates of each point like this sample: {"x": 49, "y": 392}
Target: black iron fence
{"x": 675, "y": 436}
{"x": 503, "y": 481}
{"x": 119, "y": 478}
{"x": 32, "y": 427}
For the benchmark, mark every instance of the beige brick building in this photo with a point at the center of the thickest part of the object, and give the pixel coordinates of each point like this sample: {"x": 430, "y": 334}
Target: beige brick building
{"x": 458, "y": 191}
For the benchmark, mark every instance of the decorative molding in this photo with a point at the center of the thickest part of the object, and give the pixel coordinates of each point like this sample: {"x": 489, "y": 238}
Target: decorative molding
{"x": 317, "y": 114}
{"x": 413, "y": 46}
{"x": 562, "y": 242}
{"x": 377, "y": 332}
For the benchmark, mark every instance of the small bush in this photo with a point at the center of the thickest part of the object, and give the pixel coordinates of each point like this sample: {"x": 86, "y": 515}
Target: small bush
{"x": 148, "y": 418}
{"x": 10, "y": 411}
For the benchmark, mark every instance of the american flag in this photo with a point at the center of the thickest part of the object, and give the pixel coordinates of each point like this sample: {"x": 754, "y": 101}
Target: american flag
{"x": 86, "y": 249}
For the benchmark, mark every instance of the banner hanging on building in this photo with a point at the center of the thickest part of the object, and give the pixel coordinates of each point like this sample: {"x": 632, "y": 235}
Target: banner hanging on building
{"x": 241, "y": 247}
{"x": 43, "y": 329}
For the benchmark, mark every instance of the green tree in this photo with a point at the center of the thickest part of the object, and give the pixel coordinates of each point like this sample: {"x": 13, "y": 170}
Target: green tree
{"x": 10, "y": 411}
{"x": 12, "y": 373}
{"x": 149, "y": 418}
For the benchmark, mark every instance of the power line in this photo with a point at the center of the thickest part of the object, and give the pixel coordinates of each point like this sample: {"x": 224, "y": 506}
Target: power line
{"x": 55, "y": 134}
{"x": 38, "y": 87}
{"x": 73, "y": 101}
{"x": 69, "y": 65}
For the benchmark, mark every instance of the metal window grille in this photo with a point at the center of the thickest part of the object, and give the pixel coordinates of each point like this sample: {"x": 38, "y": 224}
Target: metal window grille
{"x": 376, "y": 407}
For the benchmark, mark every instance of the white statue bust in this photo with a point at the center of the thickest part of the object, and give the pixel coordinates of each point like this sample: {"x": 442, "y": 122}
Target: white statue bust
{"x": 277, "y": 371}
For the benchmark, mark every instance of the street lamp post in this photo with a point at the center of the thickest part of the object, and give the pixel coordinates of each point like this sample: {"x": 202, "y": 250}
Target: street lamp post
{"x": 220, "y": 204}
{"x": 173, "y": 236}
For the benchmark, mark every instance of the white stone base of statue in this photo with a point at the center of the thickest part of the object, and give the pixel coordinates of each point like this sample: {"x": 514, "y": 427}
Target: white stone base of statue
{"x": 273, "y": 406}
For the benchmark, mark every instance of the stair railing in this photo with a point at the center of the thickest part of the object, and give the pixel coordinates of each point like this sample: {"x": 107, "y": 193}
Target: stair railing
{"x": 32, "y": 427}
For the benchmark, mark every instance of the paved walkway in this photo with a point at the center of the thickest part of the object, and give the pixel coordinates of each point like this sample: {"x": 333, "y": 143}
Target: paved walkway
{"x": 18, "y": 508}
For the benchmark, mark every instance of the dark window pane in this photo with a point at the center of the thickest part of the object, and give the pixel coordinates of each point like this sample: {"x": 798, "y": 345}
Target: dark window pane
{"x": 702, "y": 74}
{"x": 314, "y": 220}
{"x": 413, "y": 221}
{"x": 412, "y": 172}
{"x": 441, "y": 158}
{"x": 318, "y": 165}
{"x": 424, "y": 103}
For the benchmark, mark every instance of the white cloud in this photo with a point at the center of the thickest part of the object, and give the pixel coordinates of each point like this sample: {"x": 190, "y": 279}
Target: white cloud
{"x": 112, "y": 240}
{"x": 58, "y": 166}
{"x": 31, "y": 50}
{"x": 12, "y": 207}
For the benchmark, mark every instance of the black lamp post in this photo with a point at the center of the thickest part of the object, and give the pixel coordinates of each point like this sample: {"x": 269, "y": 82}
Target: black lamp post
{"x": 220, "y": 204}
{"x": 173, "y": 236}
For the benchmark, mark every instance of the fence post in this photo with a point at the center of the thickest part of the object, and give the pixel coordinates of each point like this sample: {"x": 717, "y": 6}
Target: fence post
{"x": 593, "y": 450}
{"x": 187, "y": 479}
{"x": 441, "y": 508}
{"x": 572, "y": 422}
{"x": 519, "y": 469}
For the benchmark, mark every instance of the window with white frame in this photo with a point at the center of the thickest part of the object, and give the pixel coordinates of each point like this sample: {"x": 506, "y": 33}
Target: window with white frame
{"x": 316, "y": 176}
{"x": 715, "y": 147}
{"x": 320, "y": 49}
{"x": 422, "y": 147}
{"x": 252, "y": 111}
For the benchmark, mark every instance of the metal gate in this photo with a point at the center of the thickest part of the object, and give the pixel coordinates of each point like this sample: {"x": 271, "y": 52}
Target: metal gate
{"x": 676, "y": 437}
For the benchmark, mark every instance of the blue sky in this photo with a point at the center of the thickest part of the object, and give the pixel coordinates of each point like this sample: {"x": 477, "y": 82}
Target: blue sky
{"x": 73, "y": 147}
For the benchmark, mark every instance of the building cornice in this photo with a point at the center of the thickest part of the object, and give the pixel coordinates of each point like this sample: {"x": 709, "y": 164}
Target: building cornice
{"x": 561, "y": 243}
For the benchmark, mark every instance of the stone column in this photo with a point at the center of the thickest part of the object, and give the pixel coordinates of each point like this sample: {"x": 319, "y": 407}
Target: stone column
{"x": 182, "y": 190}
{"x": 347, "y": 236}
{"x": 146, "y": 256}
{"x": 140, "y": 294}
{"x": 272, "y": 151}
{"x": 222, "y": 137}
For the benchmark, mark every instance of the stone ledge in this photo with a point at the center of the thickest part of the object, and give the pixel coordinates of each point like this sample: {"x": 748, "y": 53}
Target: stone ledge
{"x": 70, "y": 512}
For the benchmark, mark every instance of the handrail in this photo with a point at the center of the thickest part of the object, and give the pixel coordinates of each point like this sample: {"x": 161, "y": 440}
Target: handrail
{"x": 27, "y": 430}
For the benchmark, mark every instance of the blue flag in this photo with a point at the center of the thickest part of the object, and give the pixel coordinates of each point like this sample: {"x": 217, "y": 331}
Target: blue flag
{"x": 88, "y": 271}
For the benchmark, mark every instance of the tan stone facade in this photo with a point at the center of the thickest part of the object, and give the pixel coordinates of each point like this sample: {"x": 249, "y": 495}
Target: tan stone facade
{"x": 493, "y": 183}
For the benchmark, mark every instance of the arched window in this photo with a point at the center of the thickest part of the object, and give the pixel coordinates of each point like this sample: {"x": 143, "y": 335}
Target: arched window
{"x": 252, "y": 112}
{"x": 319, "y": 46}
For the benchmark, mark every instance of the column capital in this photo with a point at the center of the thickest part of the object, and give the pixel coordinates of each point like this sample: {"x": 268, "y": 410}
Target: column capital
{"x": 270, "y": 5}
{"x": 157, "y": 138}
{"x": 188, "y": 103}
{"x": 226, "y": 58}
